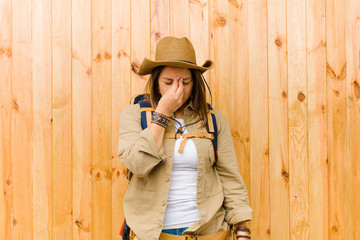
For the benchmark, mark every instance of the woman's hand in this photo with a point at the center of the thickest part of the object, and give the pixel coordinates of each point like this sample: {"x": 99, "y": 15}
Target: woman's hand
{"x": 172, "y": 99}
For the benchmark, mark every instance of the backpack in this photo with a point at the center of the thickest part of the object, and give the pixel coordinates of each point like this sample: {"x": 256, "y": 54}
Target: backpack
{"x": 146, "y": 113}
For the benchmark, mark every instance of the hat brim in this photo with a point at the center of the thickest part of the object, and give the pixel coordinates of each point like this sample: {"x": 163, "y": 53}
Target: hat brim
{"x": 147, "y": 65}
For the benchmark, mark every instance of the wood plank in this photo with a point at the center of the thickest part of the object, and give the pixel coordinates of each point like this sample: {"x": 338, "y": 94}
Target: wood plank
{"x": 81, "y": 119}
{"x": 42, "y": 120}
{"x": 159, "y": 23}
{"x": 61, "y": 111}
{"x": 352, "y": 163}
{"x": 278, "y": 121}
{"x": 317, "y": 124}
{"x": 239, "y": 82}
{"x": 121, "y": 82}
{"x": 259, "y": 116}
{"x": 199, "y": 32}
{"x": 21, "y": 123}
{"x": 297, "y": 110}
{"x": 336, "y": 110}
{"x": 140, "y": 43}
{"x": 220, "y": 53}
{"x": 101, "y": 119}
{"x": 179, "y": 18}
{"x": 5, "y": 120}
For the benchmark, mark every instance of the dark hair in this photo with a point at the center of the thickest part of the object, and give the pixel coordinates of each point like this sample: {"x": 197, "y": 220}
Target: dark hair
{"x": 198, "y": 94}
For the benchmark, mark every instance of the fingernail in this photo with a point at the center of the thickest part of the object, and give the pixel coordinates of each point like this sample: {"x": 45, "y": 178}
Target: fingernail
{"x": 178, "y": 78}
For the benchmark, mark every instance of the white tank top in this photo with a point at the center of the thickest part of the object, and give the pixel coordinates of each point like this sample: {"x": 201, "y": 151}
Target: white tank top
{"x": 181, "y": 210}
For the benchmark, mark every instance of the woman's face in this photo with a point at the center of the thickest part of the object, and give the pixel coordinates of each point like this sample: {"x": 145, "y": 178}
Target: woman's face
{"x": 169, "y": 74}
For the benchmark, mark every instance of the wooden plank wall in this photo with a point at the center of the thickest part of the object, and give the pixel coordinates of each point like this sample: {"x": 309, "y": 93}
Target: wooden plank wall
{"x": 287, "y": 76}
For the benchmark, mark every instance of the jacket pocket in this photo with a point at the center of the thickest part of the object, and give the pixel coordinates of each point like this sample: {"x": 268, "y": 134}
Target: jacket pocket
{"x": 213, "y": 184}
{"x": 146, "y": 183}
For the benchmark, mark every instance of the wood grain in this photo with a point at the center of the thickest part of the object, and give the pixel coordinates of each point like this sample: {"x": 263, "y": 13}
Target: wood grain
{"x": 5, "y": 119}
{"x": 21, "y": 179}
{"x": 352, "y": 163}
{"x": 42, "y": 121}
{"x": 160, "y": 23}
{"x": 179, "y": 18}
{"x": 81, "y": 119}
{"x": 259, "y": 119}
{"x": 278, "y": 121}
{"x": 61, "y": 114}
{"x": 317, "y": 124}
{"x": 336, "y": 110}
{"x": 140, "y": 43}
{"x": 297, "y": 113}
{"x": 101, "y": 119}
{"x": 121, "y": 82}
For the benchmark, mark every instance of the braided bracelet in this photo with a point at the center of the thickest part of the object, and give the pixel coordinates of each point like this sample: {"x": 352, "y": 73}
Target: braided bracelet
{"x": 160, "y": 119}
{"x": 243, "y": 236}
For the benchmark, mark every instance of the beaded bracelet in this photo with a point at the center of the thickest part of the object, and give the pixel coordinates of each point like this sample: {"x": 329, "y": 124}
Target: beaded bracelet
{"x": 160, "y": 119}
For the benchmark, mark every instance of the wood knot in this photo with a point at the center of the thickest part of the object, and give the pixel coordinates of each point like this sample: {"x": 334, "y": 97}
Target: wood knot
{"x": 221, "y": 21}
{"x": 98, "y": 58}
{"x": 284, "y": 94}
{"x": 107, "y": 56}
{"x": 285, "y": 175}
{"x": 15, "y": 105}
{"x": 356, "y": 89}
{"x": 81, "y": 226}
{"x": 278, "y": 42}
{"x": 323, "y": 108}
{"x": 157, "y": 36}
{"x": 88, "y": 72}
{"x": 301, "y": 97}
{"x": 334, "y": 228}
{"x": 8, "y": 182}
{"x": 118, "y": 173}
{"x": 118, "y": 55}
{"x": 98, "y": 176}
{"x": 14, "y": 221}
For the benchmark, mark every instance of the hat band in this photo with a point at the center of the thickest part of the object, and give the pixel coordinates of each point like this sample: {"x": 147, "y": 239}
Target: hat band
{"x": 177, "y": 60}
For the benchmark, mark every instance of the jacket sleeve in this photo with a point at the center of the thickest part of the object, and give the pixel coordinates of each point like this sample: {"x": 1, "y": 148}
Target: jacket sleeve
{"x": 236, "y": 200}
{"x": 137, "y": 148}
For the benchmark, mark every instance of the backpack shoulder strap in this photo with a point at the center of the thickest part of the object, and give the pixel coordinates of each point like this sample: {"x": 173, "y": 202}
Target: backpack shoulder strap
{"x": 211, "y": 127}
{"x": 146, "y": 109}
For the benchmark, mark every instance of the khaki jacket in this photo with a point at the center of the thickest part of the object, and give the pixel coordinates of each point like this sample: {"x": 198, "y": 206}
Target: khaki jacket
{"x": 222, "y": 197}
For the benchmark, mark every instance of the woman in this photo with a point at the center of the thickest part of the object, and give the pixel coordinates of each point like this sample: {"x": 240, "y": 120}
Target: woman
{"x": 180, "y": 189}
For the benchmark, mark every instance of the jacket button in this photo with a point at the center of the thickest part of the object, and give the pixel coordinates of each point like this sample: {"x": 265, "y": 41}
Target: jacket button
{"x": 160, "y": 225}
{"x": 163, "y": 203}
{"x": 167, "y": 179}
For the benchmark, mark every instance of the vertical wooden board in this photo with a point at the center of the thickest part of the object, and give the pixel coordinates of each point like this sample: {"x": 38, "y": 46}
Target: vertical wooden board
{"x": 199, "y": 30}
{"x": 42, "y": 120}
{"x": 61, "y": 111}
{"x": 21, "y": 123}
{"x": 352, "y": 163}
{"x": 220, "y": 53}
{"x": 101, "y": 119}
{"x": 179, "y": 18}
{"x": 259, "y": 117}
{"x": 140, "y": 42}
{"x": 5, "y": 120}
{"x": 239, "y": 82}
{"x": 317, "y": 125}
{"x": 81, "y": 119}
{"x": 278, "y": 121}
{"x": 159, "y": 23}
{"x": 336, "y": 110}
{"x": 298, "y": 144}
{"x": 297, "y": 82}
{"x": 121, "y": 82}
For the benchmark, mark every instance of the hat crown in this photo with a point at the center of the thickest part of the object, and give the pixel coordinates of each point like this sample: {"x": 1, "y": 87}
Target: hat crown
{"x": 178, "y": 49}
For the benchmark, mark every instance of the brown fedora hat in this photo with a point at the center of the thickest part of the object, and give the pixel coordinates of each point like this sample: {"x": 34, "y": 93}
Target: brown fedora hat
{"x": 174, "y": 52}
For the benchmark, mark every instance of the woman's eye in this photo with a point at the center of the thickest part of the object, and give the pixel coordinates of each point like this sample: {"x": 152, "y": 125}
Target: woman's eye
{"x": 168, "y": 83}
{"x": 186, "y": 83}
